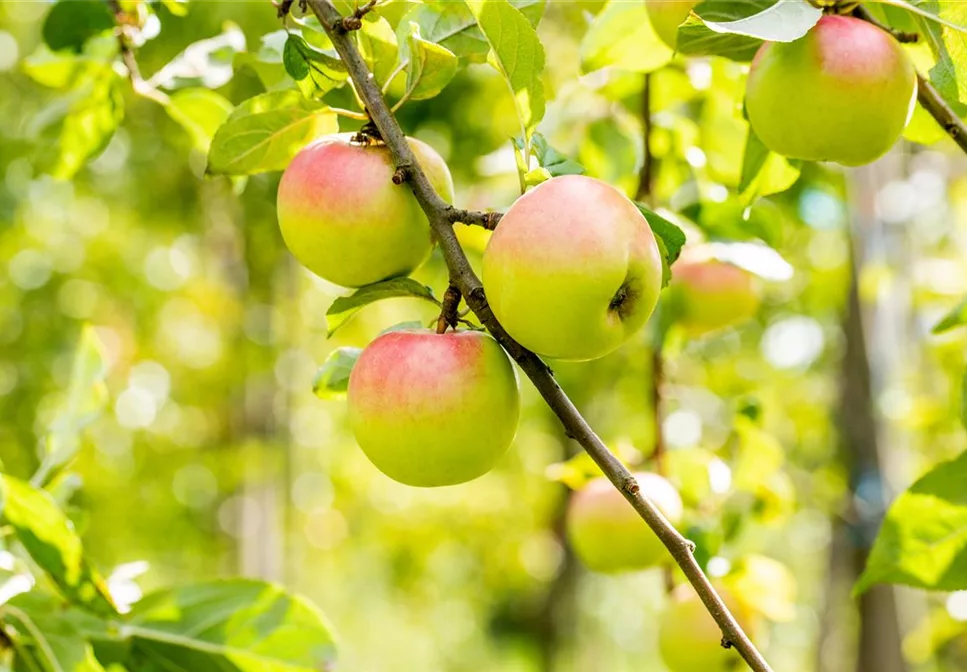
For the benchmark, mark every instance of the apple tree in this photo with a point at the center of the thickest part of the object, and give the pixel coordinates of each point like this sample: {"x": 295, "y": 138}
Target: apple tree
{"x": 653, "y": 162}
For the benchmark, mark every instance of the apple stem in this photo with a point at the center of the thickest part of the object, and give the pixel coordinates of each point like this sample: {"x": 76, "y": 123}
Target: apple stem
{"x": 448, "y": 309}
{"x": 442, "y": 216}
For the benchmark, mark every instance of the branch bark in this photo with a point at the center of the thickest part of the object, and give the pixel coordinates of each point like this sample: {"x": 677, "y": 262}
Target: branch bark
{"x": 928, "y": 96}
{"x": 440, "y": 215}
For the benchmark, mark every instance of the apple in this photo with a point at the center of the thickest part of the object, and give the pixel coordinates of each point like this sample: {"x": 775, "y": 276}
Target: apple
{"x": 344, "y": 219}
{"x": 608, "y": 535}
{"x": 689, "y": 638}
{"x": 572, "y": 270}
{"x": 433, "y": 409}
{"x": 843, "y": 92}
{"x": 707, "y": 294}
{"x": 666, "y": 16}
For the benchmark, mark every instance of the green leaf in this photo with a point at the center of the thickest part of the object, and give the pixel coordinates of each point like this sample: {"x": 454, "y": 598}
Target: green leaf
{"x": 60, "y": 70}
{"x": 86, "y": 397}
{"x": 760, "y": 455}
{"x": 80, "y": 124}
{"x": 200, "y": 112}
{"x": 696, "y": 39}
{"x": 402, "y": 326}
{"x": 377, "y": 44}
{"x": 176, "y": 7}
{"x": 949, "y": 47}
{"x": 767, "y": 585}
{"x": 936, "y": 17}
{"x": 265, "y": 132}
{"x": 239, "y": 625}
{"x": 344, "y": 308}
{"x": 784, "y": 21}
{"x": 430, "y": 67}
{"x": 550, "y": 159}
{"x": 56, "y": 634}
{"x": 963, "y": 400}
{"x": 764, "y": 172}
{"x": 267, "y": 61}
{"x": 206, "y": 63}
{"x": 955, "y": 318}
{"x": 923, "y": 539}
{"x": 314, "y": 72}
{"x": 452, "y": 25}
{"x": 669, "y": 237}
{"x": 517, "y": 53}
{"x": 332, "y": 378}
{"x": 49, "y": 537}
{"x": 622, "y": 37}
{"x": 69, "y": 24}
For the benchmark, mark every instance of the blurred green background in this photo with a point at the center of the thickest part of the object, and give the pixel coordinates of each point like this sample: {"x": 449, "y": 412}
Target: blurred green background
{"x": 785, "y": 433}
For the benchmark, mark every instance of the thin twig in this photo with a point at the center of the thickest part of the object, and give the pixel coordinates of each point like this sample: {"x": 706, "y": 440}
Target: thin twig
{"x": 900, "y": 36}
{"x": 354, "y": 21}
{"x": 462, "y": 275}
{"x": 646, "y": 174}
{"x": 140, "y": 86}
{"x": 928, "y": 96}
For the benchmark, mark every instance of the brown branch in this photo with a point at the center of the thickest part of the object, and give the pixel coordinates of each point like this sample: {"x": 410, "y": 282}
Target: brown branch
{"x": 487, "y": 220}
{"x": 354, "y": 21}
{"x": 928, "y": 96}
{"x": 438, "y": 213}
{"x": 646, "y": 174}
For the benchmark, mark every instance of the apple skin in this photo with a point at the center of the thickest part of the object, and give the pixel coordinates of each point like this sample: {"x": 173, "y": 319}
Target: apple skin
{"x": 344, "y": 219}
{"x": 843, "y": 93}
{"x": 608, "y": 535}
{"x": 572, "y": 270}
{"x": 708, "y": 295}
{"x": 433, "y": 409}
{"x": 666, "y": 16}
{"x": 690, "y": 640}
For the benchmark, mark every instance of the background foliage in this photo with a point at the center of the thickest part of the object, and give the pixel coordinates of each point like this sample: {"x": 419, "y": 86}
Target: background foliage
{"x": 186, "y": 410}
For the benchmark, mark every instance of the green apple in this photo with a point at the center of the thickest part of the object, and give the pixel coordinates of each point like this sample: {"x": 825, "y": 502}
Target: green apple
{"x": 707, "y": 294}
{"x": 843, "y": 92}
{"x": 691, "y": 641}
{"x": 573, "y": 269}
{"x": 666, "y": 16}
{"x": 344, "y": 219}
{"x": 433, "y": 409}
{"x": 608, "y": 535}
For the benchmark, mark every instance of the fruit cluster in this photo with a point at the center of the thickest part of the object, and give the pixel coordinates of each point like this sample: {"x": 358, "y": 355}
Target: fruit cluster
{"x": 572, "y": 272}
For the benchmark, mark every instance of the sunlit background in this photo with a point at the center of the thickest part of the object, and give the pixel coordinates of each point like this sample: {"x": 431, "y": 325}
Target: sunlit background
{"x": 217, "y": 459}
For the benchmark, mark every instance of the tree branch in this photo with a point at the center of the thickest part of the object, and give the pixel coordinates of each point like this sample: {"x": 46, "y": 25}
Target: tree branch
{"x": 646, "y": 174}
{"x": 140, "y": 86}
{"x": 928, "y": 96}
{"x": 439, "y": 214}
{"x": 487, "y": 220}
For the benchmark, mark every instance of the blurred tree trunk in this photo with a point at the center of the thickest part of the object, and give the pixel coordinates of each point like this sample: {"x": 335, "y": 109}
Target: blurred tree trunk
{"x": 255, "y": 267}
{"x": 876, "y": 638}
{"x": 556, "y": 619}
